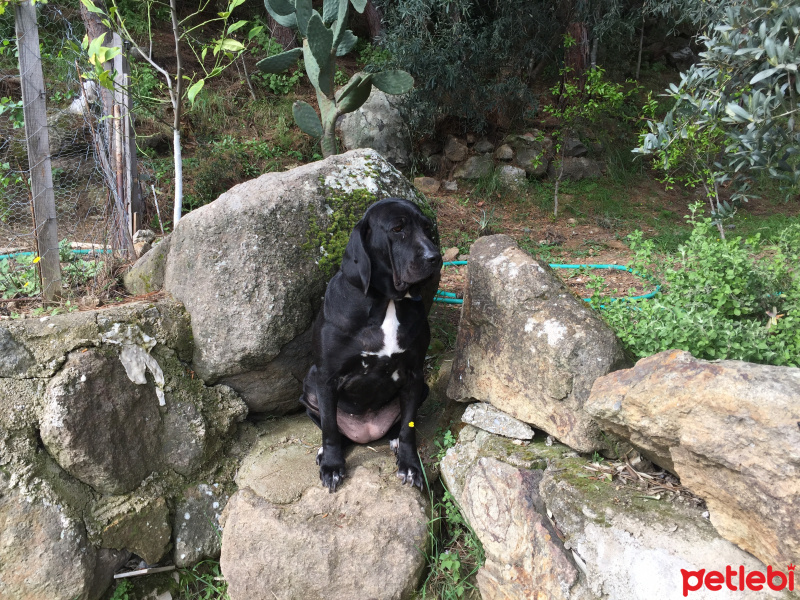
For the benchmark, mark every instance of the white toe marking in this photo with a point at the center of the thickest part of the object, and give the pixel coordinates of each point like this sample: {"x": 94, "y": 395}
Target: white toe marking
{"x": 395, "y": 376}
{"x": 319, "y": 452}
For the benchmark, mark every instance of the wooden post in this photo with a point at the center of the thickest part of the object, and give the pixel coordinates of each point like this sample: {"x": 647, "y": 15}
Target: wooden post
{"x": 122, "y": 99}
{"x": 35, "y": 113}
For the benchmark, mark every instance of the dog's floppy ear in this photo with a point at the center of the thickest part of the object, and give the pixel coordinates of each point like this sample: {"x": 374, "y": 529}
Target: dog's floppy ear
{"x": 356, "y": 266}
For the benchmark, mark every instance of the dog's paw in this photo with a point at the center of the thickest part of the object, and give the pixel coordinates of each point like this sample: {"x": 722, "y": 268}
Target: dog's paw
{"x": 411, "y": 474}
{"x": 394, "y": 445}
{"x": 331, "y": 473}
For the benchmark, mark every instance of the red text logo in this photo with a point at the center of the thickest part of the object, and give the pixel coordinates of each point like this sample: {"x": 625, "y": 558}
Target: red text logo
{"x": 737, "y": 579}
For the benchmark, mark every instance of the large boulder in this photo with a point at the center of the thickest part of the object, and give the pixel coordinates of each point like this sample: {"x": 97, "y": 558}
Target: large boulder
{"x": 554, "y": 525}
{"x": 378, "y": 124}
{"x": 196, "y": 530}
{"x": 475, "y": 167}
{"x": 531, "y": 151}
{"x": 285, "y": 533}
{"x": 528, "y": 346}
{"x": 728, "y": 429}
{"x": 577, "y": 168}
{"x": 99, "y": 425}
{"x": 43, "y": 552}
{"x": 103, "y": 424}
{"x": 251, "y": 269}
{"x": 631, "y": 545}
{"x": 524, "y": 556}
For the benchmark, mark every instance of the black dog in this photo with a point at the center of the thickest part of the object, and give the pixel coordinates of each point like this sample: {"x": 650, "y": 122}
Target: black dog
{"x": 370, "y": 338}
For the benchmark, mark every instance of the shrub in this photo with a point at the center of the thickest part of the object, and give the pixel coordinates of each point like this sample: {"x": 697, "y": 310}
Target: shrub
{"x": 722, "y": 299}
{"x": 469, "y": 59}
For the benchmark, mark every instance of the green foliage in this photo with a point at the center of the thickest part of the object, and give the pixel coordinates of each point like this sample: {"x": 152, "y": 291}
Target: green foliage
{"x": 218, "y": 166}
{"x": 19, "y": 278}
{"x": 456, "y": 553}
{"x": 735, "y": 299}
{"x": 325, "y": 38}
{"x": 371, "y": 58}
{"x": 448, "y": 440}
{"x": 145, "y": 86}
{"x": 577, "y": 105}
{"x": 279, "y": 83}
{"x": 327, "y": 240}
{"x": 13, "y": 111}
{"x": 203, "y": 582}
{"x": 734, "y": 112}
{"x": 122, "y": 591}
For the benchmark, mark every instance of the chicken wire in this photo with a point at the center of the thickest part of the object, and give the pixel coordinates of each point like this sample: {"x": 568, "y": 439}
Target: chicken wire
{"x": 83, "y": 184}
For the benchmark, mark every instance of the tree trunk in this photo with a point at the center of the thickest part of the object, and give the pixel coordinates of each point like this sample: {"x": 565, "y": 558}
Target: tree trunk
{"x": 576, "y": 58}
{"x": 283, "y": 35}
{"x": 374, "y": 21}
{"x": 177, "y": 103}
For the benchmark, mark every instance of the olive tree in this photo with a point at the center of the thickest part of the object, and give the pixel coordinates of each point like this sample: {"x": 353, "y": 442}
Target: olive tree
{"x": 735, "y": 111}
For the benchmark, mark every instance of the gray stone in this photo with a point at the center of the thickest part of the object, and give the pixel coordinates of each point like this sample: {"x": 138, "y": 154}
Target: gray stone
{"x": 524, "y": 556}
{"x": 455, "y": 150}
{"x": 69, "y": 134}
{"x": 450, "y": 254}
{"x": 276, "y": 387}
{"x": 283, "y": 531}
{"x": 681, "y": 59}
{"x": 528, "y": 346}
{"x": 474, "y": 444}
{"x": 427, "y": 185}
{"x": 196, "y": 530}
{"x": 483, "y": 146}
{"x": 504, "y": 152}
{"x": 378, "y": 124}
{"x": 512, "y": 176}
{"x": 450, "y": 186}
{"x": 475, "y": 167}
{"x": 141, "y": 527}
{"x": 100, "y": 426}
{"x": 240, "y": 267}
{"x": 728, "y": 429}
{"x": 147, "y": 274}
{"x": 578, "y": 168}
{"x": 531, "y": 152}
{"x": 633, "y": 548}
{"x": 44, "y": 553}
{"x": 15, "y": 359}
{"x": 144, "y": 235}
{"x": 573, "y": 147}
{"x": 487, "y": 417}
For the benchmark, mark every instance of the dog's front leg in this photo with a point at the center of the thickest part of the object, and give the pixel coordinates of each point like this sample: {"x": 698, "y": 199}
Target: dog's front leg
{"x": 409, "y": 468}
{"x": 330, "y": 457}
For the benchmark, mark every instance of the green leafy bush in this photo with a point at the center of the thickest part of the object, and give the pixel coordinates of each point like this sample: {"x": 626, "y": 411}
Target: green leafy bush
{"x": 470, "y": 60}
{"x": 721, "y": 299}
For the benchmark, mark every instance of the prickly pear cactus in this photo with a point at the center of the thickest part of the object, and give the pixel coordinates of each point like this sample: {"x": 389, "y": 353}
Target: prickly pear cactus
{"x": 324, "y": 38}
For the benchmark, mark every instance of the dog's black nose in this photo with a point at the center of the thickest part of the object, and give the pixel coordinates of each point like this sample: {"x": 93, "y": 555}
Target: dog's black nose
{"x": 431, "y": 257}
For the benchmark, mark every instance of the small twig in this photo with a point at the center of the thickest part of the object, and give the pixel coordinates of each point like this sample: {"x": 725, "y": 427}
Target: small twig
{"x": 24, "y": 299}
{"x": 158, "y": 212}
{"x": 147, "y": 571}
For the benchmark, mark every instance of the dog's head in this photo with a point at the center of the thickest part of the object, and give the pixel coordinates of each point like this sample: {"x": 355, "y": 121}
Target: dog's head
{"x": 391, "y": 249}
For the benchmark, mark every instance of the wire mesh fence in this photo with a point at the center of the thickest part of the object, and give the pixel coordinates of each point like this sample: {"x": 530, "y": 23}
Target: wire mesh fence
{"x": 91, "y": 223}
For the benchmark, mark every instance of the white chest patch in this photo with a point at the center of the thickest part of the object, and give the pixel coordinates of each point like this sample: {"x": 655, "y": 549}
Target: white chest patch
{"x": 390, "y": 326}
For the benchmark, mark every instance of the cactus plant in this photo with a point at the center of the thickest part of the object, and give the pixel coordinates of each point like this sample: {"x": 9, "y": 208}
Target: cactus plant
{"x": 324, "y": 38}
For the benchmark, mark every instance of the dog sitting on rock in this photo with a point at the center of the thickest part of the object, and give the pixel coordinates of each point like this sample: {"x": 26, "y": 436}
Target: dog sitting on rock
{"x": 370, "y": 338}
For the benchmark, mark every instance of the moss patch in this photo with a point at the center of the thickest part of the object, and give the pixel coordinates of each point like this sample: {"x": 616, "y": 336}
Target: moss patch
{"x": 327, "y": 238}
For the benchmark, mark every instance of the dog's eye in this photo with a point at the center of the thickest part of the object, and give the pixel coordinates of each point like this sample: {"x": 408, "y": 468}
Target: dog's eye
{"x": 397, "y": 229}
